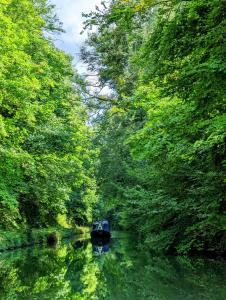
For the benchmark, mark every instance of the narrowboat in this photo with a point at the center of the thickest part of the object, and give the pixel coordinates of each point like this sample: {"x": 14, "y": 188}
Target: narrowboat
{"x": 101, "y": 229}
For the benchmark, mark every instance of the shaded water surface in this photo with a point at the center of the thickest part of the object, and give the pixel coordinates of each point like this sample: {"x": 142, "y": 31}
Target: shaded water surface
{"x": 81, "y": 271}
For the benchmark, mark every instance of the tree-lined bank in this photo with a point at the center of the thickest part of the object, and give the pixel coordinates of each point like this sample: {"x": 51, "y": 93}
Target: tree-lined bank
{"x": 46, "y": 158}
{"x": 162, "y": 134}
{"x": 154, "y": 148}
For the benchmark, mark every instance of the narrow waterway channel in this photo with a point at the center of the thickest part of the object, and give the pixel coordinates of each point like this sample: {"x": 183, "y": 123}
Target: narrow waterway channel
{"x": 76, "y": 269}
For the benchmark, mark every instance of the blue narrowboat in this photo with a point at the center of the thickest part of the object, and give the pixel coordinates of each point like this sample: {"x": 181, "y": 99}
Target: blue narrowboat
{"x": 101, "y": 229}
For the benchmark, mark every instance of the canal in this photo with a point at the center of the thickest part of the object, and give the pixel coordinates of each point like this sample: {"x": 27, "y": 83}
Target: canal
{"x": 120, "y": 270}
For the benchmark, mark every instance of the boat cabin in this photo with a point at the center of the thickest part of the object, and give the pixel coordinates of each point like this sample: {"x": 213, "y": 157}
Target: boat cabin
{"x": 101, "y": 228}
{"x": 101, "y": 225}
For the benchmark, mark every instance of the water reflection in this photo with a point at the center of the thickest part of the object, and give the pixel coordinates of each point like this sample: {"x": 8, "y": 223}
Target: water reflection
{"x": 74, "y": 271}
{"x": 101, "y": 245}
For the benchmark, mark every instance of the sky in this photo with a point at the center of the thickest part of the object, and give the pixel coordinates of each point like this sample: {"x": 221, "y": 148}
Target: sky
{"x": 70, "y": 13}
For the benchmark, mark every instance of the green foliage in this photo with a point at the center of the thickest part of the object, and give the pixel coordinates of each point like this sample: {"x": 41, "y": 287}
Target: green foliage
{"x": 11, "y": 240}
{"x": 162, "y": 143}
{"x": 45, "y": 152}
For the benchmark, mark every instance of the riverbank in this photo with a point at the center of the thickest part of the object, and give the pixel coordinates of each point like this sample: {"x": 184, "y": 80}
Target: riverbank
{"x": 10, "y": 240}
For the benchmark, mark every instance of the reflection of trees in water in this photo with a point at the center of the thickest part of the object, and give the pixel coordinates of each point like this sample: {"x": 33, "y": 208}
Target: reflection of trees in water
{"x": 85, "y": 275}
{"x": 138, "y": 275}
{"x": 36, "y": 274}
{"x": 62, "y": 273}
{"x": 73, "y": 272}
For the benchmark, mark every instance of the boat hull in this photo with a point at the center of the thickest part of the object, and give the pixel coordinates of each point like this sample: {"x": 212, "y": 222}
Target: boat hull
{"x": 100, "y": 234}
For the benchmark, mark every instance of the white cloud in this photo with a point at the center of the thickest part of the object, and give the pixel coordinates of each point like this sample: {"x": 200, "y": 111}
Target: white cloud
{"x": 70, "y": 13}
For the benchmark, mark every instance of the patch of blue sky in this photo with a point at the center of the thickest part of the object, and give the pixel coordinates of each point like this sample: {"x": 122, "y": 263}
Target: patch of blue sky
{"x": 70, "y": 14}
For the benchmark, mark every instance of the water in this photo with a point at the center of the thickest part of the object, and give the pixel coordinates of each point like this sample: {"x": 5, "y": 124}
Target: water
{"x": 76, "y": 270}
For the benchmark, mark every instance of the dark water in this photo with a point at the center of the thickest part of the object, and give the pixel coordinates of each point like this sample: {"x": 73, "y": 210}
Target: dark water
{"x": 76, "y": 270}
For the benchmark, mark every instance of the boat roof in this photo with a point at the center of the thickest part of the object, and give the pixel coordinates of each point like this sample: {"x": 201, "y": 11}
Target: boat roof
{"x": 103, "y": 221}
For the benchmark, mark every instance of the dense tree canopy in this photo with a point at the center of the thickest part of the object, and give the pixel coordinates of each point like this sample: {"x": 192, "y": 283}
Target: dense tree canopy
{"x": 45, "y": 153}
{"x": 160, "y": 134}
{"x": 162, "y": 140}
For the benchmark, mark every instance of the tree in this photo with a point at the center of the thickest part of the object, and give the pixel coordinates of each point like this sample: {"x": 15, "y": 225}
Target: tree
{"x": 171, "y": 87}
